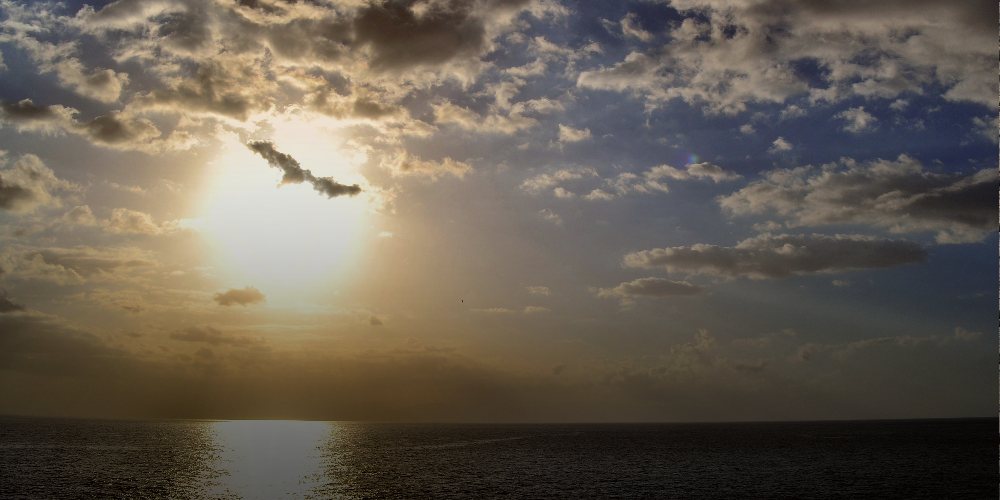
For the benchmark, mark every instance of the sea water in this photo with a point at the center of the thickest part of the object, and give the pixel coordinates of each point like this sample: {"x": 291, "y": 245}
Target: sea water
{"x": 43, "y": 458}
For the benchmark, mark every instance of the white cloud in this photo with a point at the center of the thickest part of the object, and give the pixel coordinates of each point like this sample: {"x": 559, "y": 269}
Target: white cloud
{"x": 735, "y": 53}
{"x": 780, "y": 145}
{"x": 570, "y": 134}
{"x": 899, "y": 195}
{"x": 704, "y": 170}
{"x": 632, "y": 28}
{"x": 858, "y": 120}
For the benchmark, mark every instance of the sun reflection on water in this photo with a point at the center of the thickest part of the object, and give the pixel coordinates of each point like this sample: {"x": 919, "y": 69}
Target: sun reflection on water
{"x": 269, "y": 459}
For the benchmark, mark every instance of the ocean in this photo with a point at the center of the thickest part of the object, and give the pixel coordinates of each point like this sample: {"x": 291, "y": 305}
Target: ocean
{"x": 48, "y": 458}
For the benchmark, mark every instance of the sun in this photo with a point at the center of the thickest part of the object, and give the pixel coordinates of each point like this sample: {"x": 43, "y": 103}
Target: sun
{"x": 286, "y": 236}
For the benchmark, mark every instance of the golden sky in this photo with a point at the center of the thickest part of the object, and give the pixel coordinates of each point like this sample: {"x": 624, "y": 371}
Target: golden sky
{"x": 498, "y": 210}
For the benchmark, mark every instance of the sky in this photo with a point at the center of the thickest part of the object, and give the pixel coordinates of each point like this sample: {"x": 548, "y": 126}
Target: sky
{"x": 498, "y": 210}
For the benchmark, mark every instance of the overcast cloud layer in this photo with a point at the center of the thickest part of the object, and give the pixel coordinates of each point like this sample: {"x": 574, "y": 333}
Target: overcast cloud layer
{"x": 485, "y": 210}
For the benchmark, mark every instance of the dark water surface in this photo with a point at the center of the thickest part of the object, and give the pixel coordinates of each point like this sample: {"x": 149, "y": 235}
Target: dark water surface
{"x": 84, "y": 459}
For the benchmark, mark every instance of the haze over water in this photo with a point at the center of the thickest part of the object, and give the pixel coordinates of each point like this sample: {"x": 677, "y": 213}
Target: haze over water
{"x": 61, "y": 458}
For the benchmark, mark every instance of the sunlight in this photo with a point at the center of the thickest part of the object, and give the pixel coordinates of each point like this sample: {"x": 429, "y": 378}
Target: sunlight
{"x": 283, "y": 236}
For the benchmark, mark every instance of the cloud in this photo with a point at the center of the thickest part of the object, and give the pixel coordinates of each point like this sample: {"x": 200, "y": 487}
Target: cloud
{"x": 726, "y": 55}
{"x": 772, "y": 257}
{"x": 537, "y": 184}
{"x": 295, "y": 174}
{"x": 570, "y": 134}
{"x": 492, "y": 123}
{"x": 403, "y": 163}
{"x": 128, "y": 221}
{"x": 550, "y": 216}
{"x": 649, "y": 287}
{"x": 988, "y": 127}
{"x": 29, "y": 184}
{"x": 858, "y": 120}
{"x": 101, "y": 84}
{"x": 227, "y": 87}
{"x": 963, "y": 334}
{"x": 71, "y": 265}
{"x": 539, "y": 290}
{"x": 112, "y": 130}
{"x": 494, "y": 310}
{"x": 81, "y": 216}
{"x": 536, "y": 310}
{"x": 844, "y": 351}
{"x": 693, "y": 171}
{"x": 236, "y": 296}
{"x": 7, "y": 305}
{"x": 212, "y": 336}
{"x": 632, "y": 28}
{"x": 780, "y": 145}
{"x": 898, "y": 194}
{"x": 373, "y": 321}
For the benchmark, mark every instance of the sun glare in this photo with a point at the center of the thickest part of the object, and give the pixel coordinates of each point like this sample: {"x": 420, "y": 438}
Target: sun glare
{"x": 282, "y": 236}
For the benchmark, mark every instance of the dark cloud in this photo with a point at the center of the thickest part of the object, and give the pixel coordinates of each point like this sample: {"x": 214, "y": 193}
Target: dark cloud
{"x": 12, "y": 195}
{"x": 231, "y": 89}
{"x": 898, "y": 194}
{"x": 770, "y": 257}
{"x": 235, "y": 296}
{"x": 295, "y": 174}
{"x": 25, "y": 110}
{"x": 7, "y": 305}
{"x": 29, "y": 184}
{"x": 112, "y": 130}
{"x": 400, "y": 38}
{"x": 372, "y": 320}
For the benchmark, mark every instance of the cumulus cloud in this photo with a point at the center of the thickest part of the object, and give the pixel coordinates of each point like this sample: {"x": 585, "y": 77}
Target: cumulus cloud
{"x": 403, "y": 163}
{"x": 771, "y": 257}
{"x": 492, "y": 123}
{"x": 29, "y": 184}
{"x": 858, "y": 120}
{"x": 101, "y": 84}
{"x": 899, "y": 194}
{"x": 539, "y": 290}
{"x": 123, "y": 220}
{"x": 726, "y": 54}
{"x": 295, "y": 174}
{"x": 550, "y": 216}
{"x": 570, "y": 134}
{"x": 81, "y": 216}
{"x": 780, "y": 145}
{"x": 541, "y": 182}
{"x": 71, "y": 265}
{"x": 536, "y": 310}
{"x": 114, "y": 130}
{"x": 242, "y": 297}
{"x": 649, "y": 287}
{"x": 702, "y": 170}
